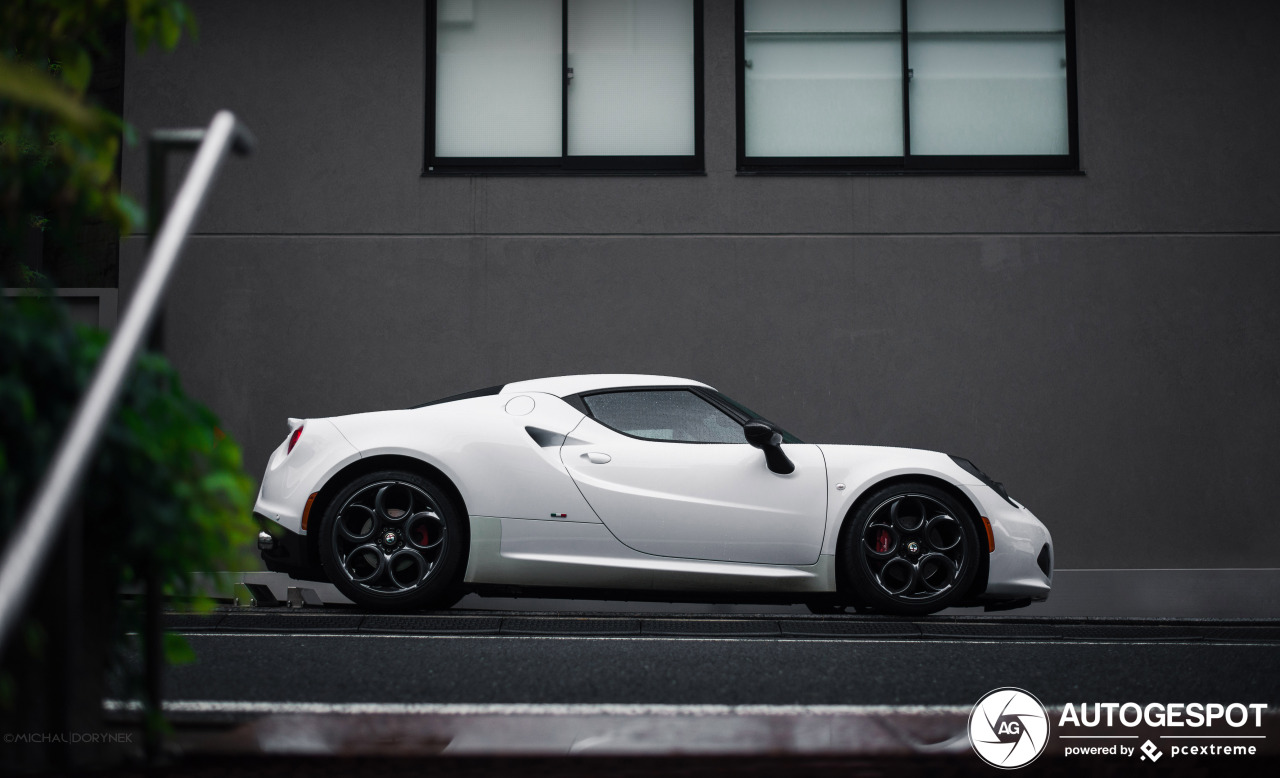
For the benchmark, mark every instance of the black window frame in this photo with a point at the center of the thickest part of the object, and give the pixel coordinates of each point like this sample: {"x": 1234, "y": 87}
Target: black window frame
{"x": 908, "y": 163}
{"x": 564, "y": 164}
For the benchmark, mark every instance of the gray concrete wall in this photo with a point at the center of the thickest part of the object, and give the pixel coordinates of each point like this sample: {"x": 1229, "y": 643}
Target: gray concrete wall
{"x": 1104, "y": 343}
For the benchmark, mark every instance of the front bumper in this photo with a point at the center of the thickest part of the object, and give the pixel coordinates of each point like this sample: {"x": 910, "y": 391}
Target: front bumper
{"x": 1021, "y": 566}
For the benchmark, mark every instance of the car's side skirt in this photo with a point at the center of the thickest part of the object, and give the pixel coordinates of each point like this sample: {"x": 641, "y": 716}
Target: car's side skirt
{"x": 525, "y": 552}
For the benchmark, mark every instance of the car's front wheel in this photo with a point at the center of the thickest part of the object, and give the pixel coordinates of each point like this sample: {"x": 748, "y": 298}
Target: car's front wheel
{"x": 910, "y": 549}
{"x": 392, "y": 540}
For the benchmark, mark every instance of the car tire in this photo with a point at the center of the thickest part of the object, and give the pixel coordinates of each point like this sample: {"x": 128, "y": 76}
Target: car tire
{"x": 393, "y": 541}
{"x": 909, "y": 549}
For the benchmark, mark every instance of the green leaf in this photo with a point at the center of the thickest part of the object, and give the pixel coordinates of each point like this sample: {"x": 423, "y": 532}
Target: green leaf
{"x": 130, "y": 211}
{"x": 170, "y": 31}
{"x": 32, "y": 88}
{"x": 177, "y": 651}
{"x": 77, "y": 71}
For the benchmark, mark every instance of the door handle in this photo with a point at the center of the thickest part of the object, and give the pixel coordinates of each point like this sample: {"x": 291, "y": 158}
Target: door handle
{"x": 597, "y": 458}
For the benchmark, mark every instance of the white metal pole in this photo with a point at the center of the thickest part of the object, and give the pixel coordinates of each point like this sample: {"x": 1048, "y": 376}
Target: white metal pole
{"x": 36, "y": 534}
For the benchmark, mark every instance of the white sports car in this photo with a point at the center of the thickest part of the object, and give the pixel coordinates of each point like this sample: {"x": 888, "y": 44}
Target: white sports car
{"x": 635, "y": 487}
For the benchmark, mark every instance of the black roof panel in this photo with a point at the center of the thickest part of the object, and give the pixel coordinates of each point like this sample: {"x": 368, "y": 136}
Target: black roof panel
{"x": 486, "y": 392}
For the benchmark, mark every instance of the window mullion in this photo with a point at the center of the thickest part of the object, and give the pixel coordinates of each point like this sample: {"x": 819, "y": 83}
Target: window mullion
{"x": 564, "y": 81}
{"x": 906, "y": 90}
{"x": 1073, "y": 139}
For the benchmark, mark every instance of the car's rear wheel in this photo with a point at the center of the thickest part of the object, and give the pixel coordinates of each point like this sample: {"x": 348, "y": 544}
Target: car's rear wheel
{"x": 910, "y": 549}
{"x": 392, "y": 540}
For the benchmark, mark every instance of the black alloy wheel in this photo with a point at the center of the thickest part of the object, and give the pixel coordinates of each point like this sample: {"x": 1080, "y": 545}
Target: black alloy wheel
{"x": 391, "y": 541}
{"x": 910, "y": 549}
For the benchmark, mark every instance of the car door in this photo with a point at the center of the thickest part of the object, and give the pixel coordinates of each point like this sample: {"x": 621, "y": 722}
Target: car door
{"x": 671, "y": 474}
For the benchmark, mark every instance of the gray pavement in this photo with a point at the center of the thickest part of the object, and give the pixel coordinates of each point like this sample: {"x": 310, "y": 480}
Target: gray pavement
{"x": 685, "y": 670}
{"x": 336, "y": 656}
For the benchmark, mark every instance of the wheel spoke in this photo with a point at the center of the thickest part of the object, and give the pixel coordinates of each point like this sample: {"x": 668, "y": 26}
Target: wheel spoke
{"x": 942, "y": 533}
{"x": 407, "y": 568}
{"x": 424, "y": 530}
{"x": 365, "y": 563}
{"x": 898, "y": 576}
{"x": 936, "y": 572}
{"x": 881, "y": 541}
{"x": 387, "y": 503}
{"x": 362, "y": 518}
{"x": 909, "y": 517}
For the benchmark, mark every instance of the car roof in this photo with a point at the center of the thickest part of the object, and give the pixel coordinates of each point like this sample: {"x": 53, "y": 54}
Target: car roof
{"x": 565, "y": 385}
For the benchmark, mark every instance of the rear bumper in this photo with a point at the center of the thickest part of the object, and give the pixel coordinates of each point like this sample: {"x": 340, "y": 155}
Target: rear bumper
{"x": 292, "y": 477}
{"x": 289, "y": 552}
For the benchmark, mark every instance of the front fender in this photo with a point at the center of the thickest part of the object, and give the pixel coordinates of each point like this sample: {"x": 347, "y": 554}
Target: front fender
{"x": 860, "y": 468}
{"x": 1014, "y": 571}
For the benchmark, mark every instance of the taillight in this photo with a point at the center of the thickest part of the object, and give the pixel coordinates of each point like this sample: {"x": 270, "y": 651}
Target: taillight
{"x": 293, "y": 439}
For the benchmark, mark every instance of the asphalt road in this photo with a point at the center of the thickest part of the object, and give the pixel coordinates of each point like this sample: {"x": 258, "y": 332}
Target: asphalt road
{"x": 347, "y": 657}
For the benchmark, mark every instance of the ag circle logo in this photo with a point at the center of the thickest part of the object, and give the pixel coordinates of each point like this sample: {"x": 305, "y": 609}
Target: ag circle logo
{"x": 1008, "y": 728}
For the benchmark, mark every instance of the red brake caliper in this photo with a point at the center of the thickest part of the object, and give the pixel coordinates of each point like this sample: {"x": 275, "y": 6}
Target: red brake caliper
{"x": 882, "y": 541}
{"x": 422, "y": 532}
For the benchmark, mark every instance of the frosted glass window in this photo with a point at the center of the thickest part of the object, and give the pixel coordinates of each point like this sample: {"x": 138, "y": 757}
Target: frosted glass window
{"x": 823, "y": 78}
{"x": 498, "y": 75}
{"x": 986, "y": 84}
{"x": 989, "y": 77}
{"x": 632, "y": 91}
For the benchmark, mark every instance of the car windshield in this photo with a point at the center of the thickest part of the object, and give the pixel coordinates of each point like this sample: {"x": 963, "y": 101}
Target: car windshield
{"x": 787, "y": 437}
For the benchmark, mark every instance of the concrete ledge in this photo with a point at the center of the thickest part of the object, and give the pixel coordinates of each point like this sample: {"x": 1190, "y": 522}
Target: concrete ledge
{"x": 762, "y": 626}
{"x": 540, "y": 730}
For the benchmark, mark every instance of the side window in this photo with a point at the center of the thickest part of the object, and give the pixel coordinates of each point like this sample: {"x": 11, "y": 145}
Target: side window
{"x": 676, "y": 415}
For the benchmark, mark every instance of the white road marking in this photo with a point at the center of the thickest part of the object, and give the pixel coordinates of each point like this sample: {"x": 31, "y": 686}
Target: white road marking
{"x": 1167, "y": 570}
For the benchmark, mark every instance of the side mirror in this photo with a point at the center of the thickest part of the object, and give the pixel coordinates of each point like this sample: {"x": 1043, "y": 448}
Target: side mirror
{"x": 763, "y": 436}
